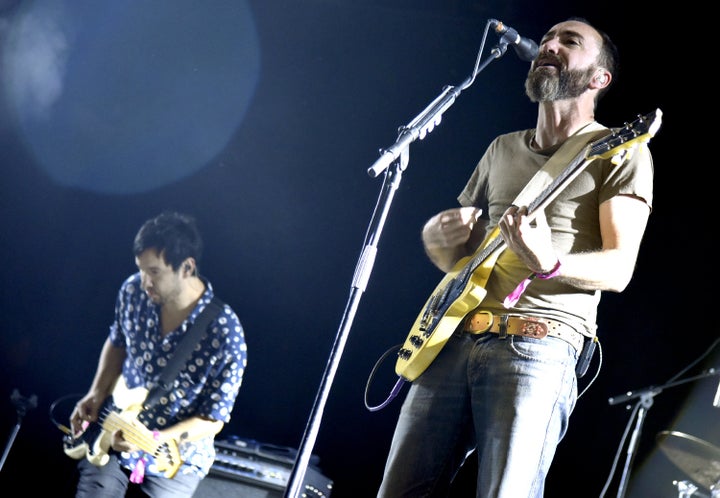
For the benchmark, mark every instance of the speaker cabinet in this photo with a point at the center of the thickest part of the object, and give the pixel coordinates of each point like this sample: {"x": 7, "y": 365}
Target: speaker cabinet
{"x": 248, "y": 469}
{"x": 218, "y": 486}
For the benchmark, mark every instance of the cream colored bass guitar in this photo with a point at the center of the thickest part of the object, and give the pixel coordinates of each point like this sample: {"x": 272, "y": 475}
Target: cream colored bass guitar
{"x": 120, "y": 412}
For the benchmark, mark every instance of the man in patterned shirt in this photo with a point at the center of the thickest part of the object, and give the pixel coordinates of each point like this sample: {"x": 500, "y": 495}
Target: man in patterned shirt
{"x": 162, "y": 450}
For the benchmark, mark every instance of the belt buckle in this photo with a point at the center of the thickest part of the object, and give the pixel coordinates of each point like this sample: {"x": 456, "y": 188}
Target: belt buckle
{"x": 472, "y": 324}
{"x": 533, "y": 327}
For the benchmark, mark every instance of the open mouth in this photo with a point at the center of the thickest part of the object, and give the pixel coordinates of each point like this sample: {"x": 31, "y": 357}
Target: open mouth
{"x": 548, "y": 62}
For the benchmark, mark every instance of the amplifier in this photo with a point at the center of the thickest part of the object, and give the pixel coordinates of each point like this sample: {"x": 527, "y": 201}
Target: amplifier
{"x": 260, "y": 470}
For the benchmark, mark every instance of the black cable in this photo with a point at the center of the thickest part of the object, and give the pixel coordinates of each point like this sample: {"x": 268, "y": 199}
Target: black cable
{"x": 53, "y": 406}
{"x": 395, "y": 390}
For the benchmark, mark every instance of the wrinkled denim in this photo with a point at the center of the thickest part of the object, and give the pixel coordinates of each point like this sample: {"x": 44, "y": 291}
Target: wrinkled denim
{"x": 509, "y": 398}
{"x": 111, "y": 481}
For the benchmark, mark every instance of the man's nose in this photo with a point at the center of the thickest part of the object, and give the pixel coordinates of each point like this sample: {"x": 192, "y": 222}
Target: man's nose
{"x": 144, "y": 280}
{"x": 550, "y": 45}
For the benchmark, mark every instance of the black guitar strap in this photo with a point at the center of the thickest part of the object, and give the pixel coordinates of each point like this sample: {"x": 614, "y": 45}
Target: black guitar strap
{"x": 182, "y": 353}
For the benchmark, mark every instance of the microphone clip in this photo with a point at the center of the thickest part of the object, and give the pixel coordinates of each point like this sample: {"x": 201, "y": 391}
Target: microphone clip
{"x": 525, "y": 48}
{"x": 501, "y": 46}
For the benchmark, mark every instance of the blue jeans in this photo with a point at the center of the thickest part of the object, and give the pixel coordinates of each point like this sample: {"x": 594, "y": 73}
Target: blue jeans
{"x": 111, "y": 481}
{"x": 510, "y": 399}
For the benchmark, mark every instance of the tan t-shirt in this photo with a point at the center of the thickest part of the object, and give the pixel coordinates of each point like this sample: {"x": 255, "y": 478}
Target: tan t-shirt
{"x": 506, "y": 167}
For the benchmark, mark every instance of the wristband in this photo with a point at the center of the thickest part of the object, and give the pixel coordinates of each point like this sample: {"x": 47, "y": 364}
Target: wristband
{"x": 552, "y": 273}
{"x": 514, "y": 296}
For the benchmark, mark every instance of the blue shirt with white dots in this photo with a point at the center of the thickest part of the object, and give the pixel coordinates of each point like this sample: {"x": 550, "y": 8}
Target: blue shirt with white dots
{"x": 206, "y": 386}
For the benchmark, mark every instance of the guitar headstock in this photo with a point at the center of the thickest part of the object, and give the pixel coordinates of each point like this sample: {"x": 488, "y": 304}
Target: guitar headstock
{"x": 620, "y": 144}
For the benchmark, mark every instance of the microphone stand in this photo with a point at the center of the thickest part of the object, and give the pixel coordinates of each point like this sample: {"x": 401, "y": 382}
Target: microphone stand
{"x": 646, "y": 396}
{"x": 397, "y": 156}
{"x": 22, "y": 405}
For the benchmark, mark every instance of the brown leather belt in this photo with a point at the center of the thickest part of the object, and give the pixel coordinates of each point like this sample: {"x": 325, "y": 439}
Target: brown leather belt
{"x": 528, "y": 326}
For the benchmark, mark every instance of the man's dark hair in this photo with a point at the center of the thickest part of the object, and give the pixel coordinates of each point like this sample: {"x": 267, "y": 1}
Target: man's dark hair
{"x": 173, "y": 235}
{"x": 609, "y": 56}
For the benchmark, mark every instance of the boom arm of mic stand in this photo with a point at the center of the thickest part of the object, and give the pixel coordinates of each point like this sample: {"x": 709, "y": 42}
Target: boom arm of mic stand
{"x": 653, "y": 390}
{"x": 423, "y": 124}
{"x": 430, "y": 117}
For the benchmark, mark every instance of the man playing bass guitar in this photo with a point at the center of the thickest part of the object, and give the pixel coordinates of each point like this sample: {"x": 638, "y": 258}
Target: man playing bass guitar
{"x": 164, "y": 448}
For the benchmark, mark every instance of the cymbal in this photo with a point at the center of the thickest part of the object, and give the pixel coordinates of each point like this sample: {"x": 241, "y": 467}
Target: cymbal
{"x": 697, "y": 458}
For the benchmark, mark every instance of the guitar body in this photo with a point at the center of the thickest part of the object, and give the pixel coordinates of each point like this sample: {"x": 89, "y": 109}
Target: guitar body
{"x": 463, "y": 288}
{"x": 120, "y": 412}
{"x": 457, "y": 294}
{"x": 425, "y": 341}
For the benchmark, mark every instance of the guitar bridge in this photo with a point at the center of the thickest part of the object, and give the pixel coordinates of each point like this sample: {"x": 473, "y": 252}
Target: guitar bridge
{"x": 428, "y": 315}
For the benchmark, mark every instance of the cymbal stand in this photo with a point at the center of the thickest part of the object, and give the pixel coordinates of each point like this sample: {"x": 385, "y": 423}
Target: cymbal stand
{"x": 22, "y": 405}
{"x": 646, "y": 396}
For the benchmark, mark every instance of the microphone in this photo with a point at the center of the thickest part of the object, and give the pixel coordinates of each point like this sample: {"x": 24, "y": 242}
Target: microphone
{"x": 525, "y": 48}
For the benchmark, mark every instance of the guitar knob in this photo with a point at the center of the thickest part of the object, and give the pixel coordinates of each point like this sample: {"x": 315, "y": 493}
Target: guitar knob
{"x": 404, "y": 353}
{"x": 416, "y": 341}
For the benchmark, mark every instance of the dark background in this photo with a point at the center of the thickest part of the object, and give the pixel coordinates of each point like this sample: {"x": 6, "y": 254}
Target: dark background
{"x": 284, "y": 201}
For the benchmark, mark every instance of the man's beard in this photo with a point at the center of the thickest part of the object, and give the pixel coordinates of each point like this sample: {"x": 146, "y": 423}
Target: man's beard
{"x": 567, "y": 84}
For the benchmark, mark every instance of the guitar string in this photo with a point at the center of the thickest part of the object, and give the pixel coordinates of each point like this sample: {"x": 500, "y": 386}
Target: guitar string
{"x": 140, "y": 436}
{"x": 165, "y": 457}
{"x": 130, "y": 431}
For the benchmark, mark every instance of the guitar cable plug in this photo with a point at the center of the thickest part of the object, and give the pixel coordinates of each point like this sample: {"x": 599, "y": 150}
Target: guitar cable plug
{"x": 64, "y": 428}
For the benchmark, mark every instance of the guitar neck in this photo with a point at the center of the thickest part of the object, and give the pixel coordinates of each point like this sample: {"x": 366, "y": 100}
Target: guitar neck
{"x": 556, "y": 186}
{"x": 480, "y": 257}
{"x": 132, "y": 431}
{"x": 547, "y": 195}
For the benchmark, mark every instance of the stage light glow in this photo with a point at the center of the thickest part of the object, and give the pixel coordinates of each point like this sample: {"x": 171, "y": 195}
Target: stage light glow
{"x": 125, "y": 97}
